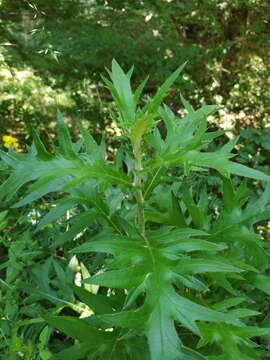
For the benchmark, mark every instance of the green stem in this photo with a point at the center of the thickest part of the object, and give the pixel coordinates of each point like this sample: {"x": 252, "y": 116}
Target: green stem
{"x": 138, "y": 185}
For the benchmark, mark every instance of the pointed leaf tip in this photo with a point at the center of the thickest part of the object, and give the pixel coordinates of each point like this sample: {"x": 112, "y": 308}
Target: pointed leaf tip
{"x": 65, "y": 143}
{"x": 162, "y": 91}
{"x": 41, "y": 150}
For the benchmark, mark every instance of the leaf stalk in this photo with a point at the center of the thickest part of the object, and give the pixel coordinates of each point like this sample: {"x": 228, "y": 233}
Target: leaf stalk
{"x": 138, "y": 186}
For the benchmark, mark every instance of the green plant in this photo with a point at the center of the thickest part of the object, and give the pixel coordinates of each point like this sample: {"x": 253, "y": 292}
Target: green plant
{"x": 158, "y": 271}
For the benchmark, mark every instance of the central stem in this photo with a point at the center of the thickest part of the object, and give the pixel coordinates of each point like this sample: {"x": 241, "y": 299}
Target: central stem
{"x": 138, "y": 185}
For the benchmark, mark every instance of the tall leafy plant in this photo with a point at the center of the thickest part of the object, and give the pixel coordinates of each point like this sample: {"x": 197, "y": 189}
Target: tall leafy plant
{"x": 166, "y": 279}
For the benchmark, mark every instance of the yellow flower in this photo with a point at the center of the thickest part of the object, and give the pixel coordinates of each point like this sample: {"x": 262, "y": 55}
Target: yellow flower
{"x": 9, "y": 140}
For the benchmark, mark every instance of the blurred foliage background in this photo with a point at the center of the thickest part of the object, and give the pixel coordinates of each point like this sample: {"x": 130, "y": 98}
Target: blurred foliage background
{"x": 54, "y": 51}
